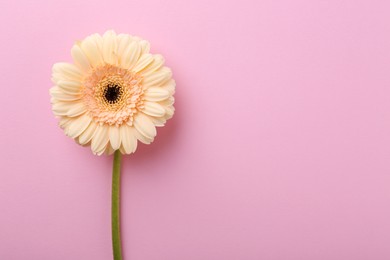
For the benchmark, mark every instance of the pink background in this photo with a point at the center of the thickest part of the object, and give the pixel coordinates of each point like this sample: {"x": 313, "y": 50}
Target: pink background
{"x": 280, "y": 147}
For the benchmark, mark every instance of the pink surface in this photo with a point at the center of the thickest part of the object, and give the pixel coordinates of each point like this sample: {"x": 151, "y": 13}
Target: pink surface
{"x": 280, "y": 147}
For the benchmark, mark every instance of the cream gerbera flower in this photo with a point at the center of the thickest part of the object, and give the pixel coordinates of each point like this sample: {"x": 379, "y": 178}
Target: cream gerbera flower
{"x": 114, "y": 94}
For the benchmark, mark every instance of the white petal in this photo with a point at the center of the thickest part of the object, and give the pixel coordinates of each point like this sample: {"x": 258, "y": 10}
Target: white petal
{"x": 64, "y": 70}
{"x": 145, "y": 46}
{"x": 100, "y": 139}
{"x": 110, "y": 47}
{"x": 144, "y": 125}
{"x": 64, "y": 122}
{"x": 130, "y": 55}
{"x": 170, "y": 86}
{"x": 158, "y": 121}
{"x": 129, "y": 141}
{"x": 124, "y": 41}
{"x": 109, "y": 150}
{"x": 143, "y": 139}
{"x": 144, "y": 61}
{"x": 153, "y": 109}
{"x": 156, "y": 94}
{"x": 158, "y": 61}
{"x": 57, "y": 93}
{"x": 168, "y": 105}
{"x": 56, "y": 77}
{"x": 77, "y": 109}
{"x": 170, "y": 112}
{"x": 91, "y": 50}
{"x": 168, "y": 102}
{"x": 53, "y": 100}
{"x": 78, "y": 125}
{"x": 61, "y": 108}
{"x": 105, "y": 149}
{"x": 100, "y": 152}
{"x": 69, "y": 86}
{"x": 115, "y": 137}
{"x": 79, "y": 58}
{"x": 87, "y": 135}
{"x": 122, "y": 149}
{"x": 99, "y": 42}
{"x": 157, "y": 78}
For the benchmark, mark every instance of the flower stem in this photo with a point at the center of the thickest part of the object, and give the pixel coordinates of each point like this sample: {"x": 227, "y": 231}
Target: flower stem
{"x": 115, "y": 206}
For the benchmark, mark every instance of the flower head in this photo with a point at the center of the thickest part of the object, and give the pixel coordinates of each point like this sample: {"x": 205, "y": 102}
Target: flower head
{"x": 114, "y": 95}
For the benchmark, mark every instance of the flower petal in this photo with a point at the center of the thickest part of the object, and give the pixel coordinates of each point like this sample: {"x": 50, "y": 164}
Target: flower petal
{"x": 130, "y": 55}
{"x": 115, "y": 137}
{"x": 167, "y": 102}
{"x": 58, "y": 94}
{"x": 68, "y": 71}
{"x": 64, "y": 122}
{"x": 109, "y": 150}
{"x": 78, "y": 125}
{"x": 158, "y": 61}
{"x": 143, "y": 139}
{"x": 78, "y": 108}
{"x": 153, "y": 109}
{"x": 100, "y": 139}
{"x": 122, "y": 149}
{"x": 58, "y": 109}
{"x": 110, "y": 47}
{"x": 157, "y": 78}
{"x": 99, "y": 42}
{"x": 79, "y": 58}
{"x": 168, "y": 105}
{"x": 61, "y": 108}
{"x": 156, "y": 94}
{"x": 87, "y": 135}
{"x": 145, "y": 46}
{"x": 158, "y": 121}
{"x": 129, "y": 141}
{"x": 124, "y": 41}
{"x": 170, "y": 111}
{"x": 69, "y": 86}
{"x": 144, "y": 61}
{"x": 170, "y": 86}
{"x": 91, "y": 50}
{"x": 144, "y": 125}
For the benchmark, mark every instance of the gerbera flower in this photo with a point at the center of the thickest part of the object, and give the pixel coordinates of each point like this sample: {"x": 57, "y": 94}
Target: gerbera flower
{"x": 114, "y": 95}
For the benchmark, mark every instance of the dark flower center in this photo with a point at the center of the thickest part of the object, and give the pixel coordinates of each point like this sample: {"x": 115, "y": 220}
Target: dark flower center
{"x": 112, "y": 93}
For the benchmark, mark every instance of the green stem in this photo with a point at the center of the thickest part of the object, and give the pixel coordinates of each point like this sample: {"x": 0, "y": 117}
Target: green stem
{"x": 115, "y": 206}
